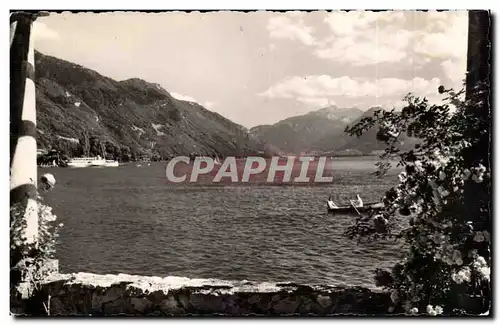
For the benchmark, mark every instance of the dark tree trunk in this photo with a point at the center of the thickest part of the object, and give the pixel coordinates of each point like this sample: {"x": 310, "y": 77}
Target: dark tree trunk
{"x": 478, "y": 95}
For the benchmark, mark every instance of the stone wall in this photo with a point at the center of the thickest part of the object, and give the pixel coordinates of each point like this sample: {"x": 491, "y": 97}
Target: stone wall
{"x": 122, "y": 294}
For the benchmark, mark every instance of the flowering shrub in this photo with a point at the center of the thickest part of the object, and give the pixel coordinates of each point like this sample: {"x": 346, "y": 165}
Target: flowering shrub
{"x": 29, "y": 262}
{"x": 441, "y": 206}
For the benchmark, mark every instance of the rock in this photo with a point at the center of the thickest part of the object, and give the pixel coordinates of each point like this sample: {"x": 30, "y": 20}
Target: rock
{"x": 287, "y": 305}
{"x": 170, "y": 306}
{"x": 141, "y": 305}
{"x": 324, "y": 301}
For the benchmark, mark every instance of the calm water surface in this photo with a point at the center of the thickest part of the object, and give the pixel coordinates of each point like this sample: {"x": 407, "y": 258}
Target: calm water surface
{"x": 129, "y": 220}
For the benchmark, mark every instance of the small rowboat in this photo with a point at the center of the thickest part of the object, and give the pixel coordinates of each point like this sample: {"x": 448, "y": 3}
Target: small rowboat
{"x": 333, "y": 208}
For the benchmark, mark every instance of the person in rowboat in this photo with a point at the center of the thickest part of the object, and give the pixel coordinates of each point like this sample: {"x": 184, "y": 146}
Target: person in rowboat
{"x": 330, "y": 203}
{"x": 359, "y": 203}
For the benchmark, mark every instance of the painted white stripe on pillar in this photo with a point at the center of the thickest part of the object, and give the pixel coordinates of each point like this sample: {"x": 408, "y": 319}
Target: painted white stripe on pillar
{"x": 29, "y": 108}
{"x": 29, "y": 114}
{"x": 31, "y": 49}
{"x": 23, "y": 169}
{"x": 31, "y": 217}
{"x": 13, "y": 27}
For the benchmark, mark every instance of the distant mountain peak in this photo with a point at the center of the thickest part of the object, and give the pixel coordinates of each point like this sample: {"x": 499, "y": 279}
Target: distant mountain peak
{"x": 328, "y": 109}
{"x": 333, "y": 112}
{"x": 300, "y": 133}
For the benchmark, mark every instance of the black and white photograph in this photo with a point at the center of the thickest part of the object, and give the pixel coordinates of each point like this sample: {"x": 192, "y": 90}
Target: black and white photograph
{"x": 251, "y": 163}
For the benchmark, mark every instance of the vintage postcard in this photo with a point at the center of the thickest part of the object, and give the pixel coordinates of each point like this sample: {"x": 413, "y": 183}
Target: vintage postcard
{"x": 242, "y": 163}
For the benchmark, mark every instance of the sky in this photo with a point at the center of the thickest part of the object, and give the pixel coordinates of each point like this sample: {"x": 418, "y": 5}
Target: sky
{"x": 261, "y": 67}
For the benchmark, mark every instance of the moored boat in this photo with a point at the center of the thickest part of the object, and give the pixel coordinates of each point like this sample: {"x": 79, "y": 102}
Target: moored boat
{"x": 92, "y": 162}
{"x": 99, "y": 162}
{"x": 81, "y": 162}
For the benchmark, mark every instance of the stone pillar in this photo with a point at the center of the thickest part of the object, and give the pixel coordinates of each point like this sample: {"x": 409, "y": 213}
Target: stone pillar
{"x": 23, "y": 166}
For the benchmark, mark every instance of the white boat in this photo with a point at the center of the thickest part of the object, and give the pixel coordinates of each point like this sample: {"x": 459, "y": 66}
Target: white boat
{"x": 112, "y": 163}
{"x": 331, "y": 205}
{"x": 92, "y": 162}
{"x": 85, "y": 162}
{"x": 354, "y": 207}
{"x": 99, "y": 162}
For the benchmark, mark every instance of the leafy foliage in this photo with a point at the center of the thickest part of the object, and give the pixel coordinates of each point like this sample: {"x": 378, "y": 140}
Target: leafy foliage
{"x": 441, "y": 207}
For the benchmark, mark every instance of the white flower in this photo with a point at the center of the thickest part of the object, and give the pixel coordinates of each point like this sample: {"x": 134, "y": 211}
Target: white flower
{"x": 61, "y": 224}
{"x": 466, "y": 273}
{"x": 478, "y": 236}
{"x": 443, "y": 192}
{"x": 462, "y": 276}
{"x": 478, "y": 173}
{"x": 485, "y": 272}
{"x": 456, "y": 255}
{"x": 477, "y": 179}
{"x": 431, "y": 311}
{"x": 402, "y": 176}
{"x": 466, "y": 143}
{"x": 482, "y": 267}
{"x": 438, "y": 309}
{"x": 444, "y": 161}
{"x": 473, "y": 253}
{"x": 480, "y": 262}
{"x": 448, "y": 260}
{"x": 442, "y": 175}
{"x": 466, "y": 174}
{"x": 414, "y": 310}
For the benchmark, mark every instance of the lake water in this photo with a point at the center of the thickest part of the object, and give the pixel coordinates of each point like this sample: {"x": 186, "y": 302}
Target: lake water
{"x": 130, "y": 220}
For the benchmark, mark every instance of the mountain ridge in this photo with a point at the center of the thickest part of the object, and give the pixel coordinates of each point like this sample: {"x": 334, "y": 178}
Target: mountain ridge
{"x": 132, "y": 116}
{"x": 331, "y": 139}
{"x": 299, "y": 133}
